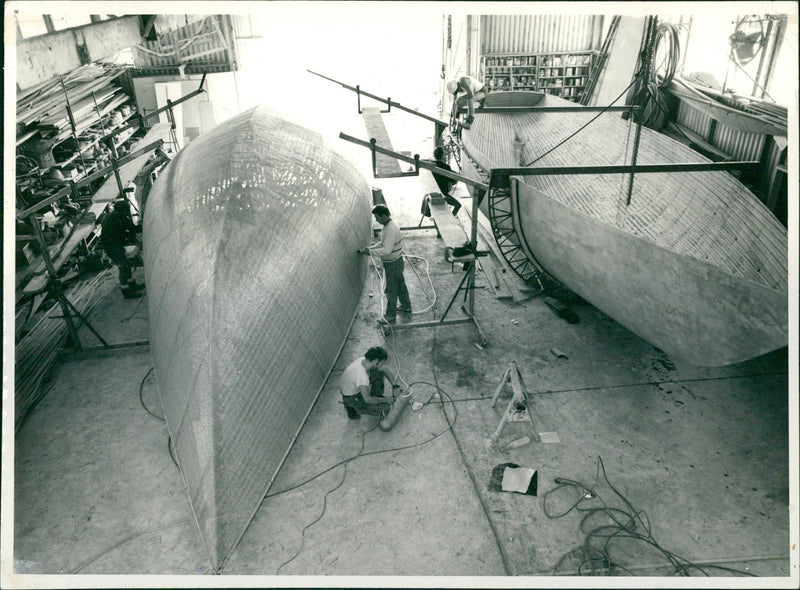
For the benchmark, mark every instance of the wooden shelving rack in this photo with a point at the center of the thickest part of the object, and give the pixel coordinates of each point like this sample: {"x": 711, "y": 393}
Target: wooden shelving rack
{"x": 564, "y": 74}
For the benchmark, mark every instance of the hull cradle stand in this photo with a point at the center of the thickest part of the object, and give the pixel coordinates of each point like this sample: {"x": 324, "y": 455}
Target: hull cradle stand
{"x": 501, "y": 216}
{"x": 468, "y": 281}
{"x": 467, "y": 285}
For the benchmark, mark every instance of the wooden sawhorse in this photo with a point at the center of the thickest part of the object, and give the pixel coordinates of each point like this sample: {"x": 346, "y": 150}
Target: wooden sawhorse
{"x": 519, "y": 407}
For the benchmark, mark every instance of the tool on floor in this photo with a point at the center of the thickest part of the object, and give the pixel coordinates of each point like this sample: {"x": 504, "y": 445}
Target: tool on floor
{"x": 518, "y": 406}
{"x": 393, "y": 416}
{"x": 514, "y": 444}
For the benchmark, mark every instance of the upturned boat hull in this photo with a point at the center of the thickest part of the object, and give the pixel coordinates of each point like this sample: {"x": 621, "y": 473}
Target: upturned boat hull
{"x": 695, "y": 264}
{"x": 250, "y": 237}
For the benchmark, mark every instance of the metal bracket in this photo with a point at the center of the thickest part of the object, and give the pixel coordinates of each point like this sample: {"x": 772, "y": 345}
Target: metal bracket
{"x": 376, "y": 174}
{"x": 358, "y": 98}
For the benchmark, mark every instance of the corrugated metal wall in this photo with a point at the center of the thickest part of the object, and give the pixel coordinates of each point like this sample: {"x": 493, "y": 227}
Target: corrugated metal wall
{"x": 245, "y": 26}
{"x": 199, "y": 46}
{"x": 540, "y": 33}
{"x": 738, "y": 144}
{"x": 693, "y": 118}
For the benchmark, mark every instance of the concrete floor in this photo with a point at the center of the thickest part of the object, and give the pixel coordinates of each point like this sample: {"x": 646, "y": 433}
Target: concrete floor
{"x": 704, "y": 453}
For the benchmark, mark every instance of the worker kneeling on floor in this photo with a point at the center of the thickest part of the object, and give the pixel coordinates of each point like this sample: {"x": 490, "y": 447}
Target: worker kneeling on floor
{"x": 362, "y": 385}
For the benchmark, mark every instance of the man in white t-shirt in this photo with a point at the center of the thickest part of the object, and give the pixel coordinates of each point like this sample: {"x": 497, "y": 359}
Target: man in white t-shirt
{"x": 467, "y": 92}
{"x": 361, "y": 384}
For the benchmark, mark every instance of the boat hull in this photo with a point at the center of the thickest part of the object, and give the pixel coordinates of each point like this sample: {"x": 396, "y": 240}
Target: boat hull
{"x": 250, "y": 237}
{"x": 691, "y": 310}
{"x": 694, "y": 263}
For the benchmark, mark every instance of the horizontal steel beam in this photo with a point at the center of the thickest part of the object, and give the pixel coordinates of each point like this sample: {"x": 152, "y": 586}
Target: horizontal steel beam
{"x": 626, "y": 169}
{"x": 120, "y": 162}
{"x": 22, "y": 215}
{"x": 430, "y": 324}
{"x": 427, "y": 164}
{"x": 388, "y": 101}
{"x": 564, "y": 109}
{"x": 172, "y": 103}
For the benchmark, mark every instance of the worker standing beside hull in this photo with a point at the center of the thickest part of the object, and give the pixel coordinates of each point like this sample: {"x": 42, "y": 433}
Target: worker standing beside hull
{"x": 390, "y": 249}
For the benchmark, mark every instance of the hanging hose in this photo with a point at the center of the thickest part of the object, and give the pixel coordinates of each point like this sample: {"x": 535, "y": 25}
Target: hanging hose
{"x": 660, "y": 40}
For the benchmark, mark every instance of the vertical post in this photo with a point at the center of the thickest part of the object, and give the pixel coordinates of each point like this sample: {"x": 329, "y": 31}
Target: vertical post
{"x": 68, "y": 106}
{"x": 116, "y": 170}
{"x": 73, "y": 333}
{"x": 437, "y": 134}
{"x": 473, "y": 240}
{"x": 647, "y": 57}
{"x": 762, "y": 59}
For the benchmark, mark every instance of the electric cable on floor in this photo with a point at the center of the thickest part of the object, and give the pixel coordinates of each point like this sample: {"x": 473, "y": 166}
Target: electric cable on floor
{"x": 162, "y": 418}
{"x": 382, "y": 279}
{"x": 88, "y": 562}
{"x": 625, "y": 523}
{"x": 380, "y": 314}
{"x": 141, "y": 397}
{"x": 324, "y": 506}
{"x": 368, "y": 453}
{"x": 359, "y": 454}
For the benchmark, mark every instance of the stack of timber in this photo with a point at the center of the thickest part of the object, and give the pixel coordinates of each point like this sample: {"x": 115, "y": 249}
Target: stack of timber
{"x": 695, "y": 264}
{"x": 768, "y": 111}
{"x": 743, "y": 113}
{"x": 91, "y": 95}
{"x": 36, "y": 276}
{"x": 253, "y": 281}
{"x": 37, "y": 352}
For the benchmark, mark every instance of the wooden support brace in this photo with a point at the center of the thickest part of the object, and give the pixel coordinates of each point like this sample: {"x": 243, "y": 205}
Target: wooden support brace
{"x": 519, "y": 398}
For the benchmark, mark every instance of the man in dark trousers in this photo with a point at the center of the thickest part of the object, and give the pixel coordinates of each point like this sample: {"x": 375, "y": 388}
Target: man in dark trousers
{"x": 118, "y": 230}
{"x": 445, "y": 184}
{"x": 390, "y": 249}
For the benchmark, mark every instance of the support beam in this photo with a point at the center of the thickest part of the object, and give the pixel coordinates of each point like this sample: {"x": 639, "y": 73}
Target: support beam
{"x": 562, "y": 109}
{"x": 416, "y": 161}
{"x": 172, "y": 103}
{"x": 625, "y": 169}
{"x": 387, "y": 101}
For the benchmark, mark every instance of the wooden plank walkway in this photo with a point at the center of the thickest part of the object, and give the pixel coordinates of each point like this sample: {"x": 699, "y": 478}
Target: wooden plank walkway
{"x": 109, "y": 191}
{"x": 450, "y": 229}
{"x": 385, "y": 165}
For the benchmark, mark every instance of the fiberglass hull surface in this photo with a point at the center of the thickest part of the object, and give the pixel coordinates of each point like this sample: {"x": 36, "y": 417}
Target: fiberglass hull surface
{"x": 250, "y": 237}
{"x": 695, "y": 265}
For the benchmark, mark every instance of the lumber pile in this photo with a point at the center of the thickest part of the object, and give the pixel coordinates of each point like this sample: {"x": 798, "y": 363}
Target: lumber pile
{"x": 769, "y": 112}
{"x": 37, "y": 352}
{"x": 91, "y": 95}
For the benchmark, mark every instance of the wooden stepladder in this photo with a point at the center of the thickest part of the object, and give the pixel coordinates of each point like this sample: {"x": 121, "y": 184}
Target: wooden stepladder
{"x": 519, "y": 408}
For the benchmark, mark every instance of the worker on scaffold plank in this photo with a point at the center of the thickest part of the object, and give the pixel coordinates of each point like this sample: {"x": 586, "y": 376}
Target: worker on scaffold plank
{"x": 444, "y": 183}
{"x": 466, "y": 92}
